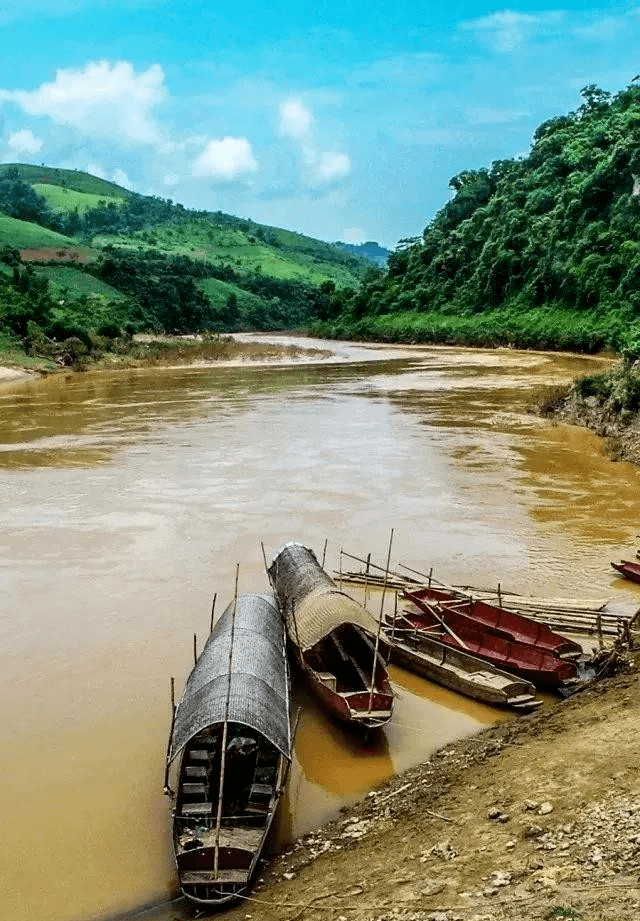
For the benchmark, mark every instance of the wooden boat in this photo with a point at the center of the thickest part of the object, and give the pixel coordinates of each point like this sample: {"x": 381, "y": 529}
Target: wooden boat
{"x": 500, "y": 621}
{"x": 459, "y": 670}
{"x": 628, "y": 569}
{"x": 333, "y": 638}
{"x": 461, "y": 632}
{"x": 232, "y": 734}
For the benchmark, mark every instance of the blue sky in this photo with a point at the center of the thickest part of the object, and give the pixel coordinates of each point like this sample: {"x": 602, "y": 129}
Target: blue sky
{"x": 342, "y": 120}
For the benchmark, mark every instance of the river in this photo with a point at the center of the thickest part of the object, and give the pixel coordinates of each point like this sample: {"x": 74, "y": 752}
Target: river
{"x": 128, "y": 499}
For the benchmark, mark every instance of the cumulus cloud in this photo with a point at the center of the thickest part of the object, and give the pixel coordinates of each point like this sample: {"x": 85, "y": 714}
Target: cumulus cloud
{"x": 507, "y": 30}
{"x": 22, "y": 143}
{"x": 320, "y": 167}
{"x": 225, "y": 160}
{"x": 117, "y": 175}
{"x": 101, "y": 100}
{"x": 295, "y": 119}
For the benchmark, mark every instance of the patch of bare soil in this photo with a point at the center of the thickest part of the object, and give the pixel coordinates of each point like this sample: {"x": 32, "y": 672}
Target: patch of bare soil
{"x": 535, "y": 818}
{"x": 79, "y": 255}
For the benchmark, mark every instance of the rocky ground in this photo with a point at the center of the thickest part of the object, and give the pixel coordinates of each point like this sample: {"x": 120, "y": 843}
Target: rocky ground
{"x": 536, "y": 818}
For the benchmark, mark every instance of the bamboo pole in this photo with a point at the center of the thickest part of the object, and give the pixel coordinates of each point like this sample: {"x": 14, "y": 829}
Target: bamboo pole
{"x": 225, "y": 728}
{"x": 324, "y": 551}
{"x": 167, "y": 789}
{"x": 377, "y": 644}
{"x": 195, "y": 649}
{"x": 213, "y": 610}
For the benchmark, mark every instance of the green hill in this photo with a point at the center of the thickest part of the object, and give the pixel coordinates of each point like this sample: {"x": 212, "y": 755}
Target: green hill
{"x": 83, "y": 257}
{"x": 539, "y": 251}
{"x": 66, "y": 179}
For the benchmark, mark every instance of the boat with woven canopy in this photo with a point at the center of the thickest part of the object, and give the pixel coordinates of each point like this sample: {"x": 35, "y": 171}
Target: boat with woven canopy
{"x": 334, "y": 639}
{"x": 231, "y": 737}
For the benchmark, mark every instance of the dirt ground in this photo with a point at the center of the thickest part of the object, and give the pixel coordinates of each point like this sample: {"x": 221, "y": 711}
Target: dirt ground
{"x": 536, "y": 818}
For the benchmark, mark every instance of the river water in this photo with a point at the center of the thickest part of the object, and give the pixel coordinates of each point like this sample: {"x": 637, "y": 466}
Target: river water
{"x": 126, "y": 501}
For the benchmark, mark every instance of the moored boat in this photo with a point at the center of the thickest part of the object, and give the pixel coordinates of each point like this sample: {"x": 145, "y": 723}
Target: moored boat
{"x": 628, "y": 569}
{"x": 232, "y": 735}
{"x": 499, "y": 620}
{"x": 334, "y": 639}
{"x": 461, "y": 632}
{"x": 459, "y": 670}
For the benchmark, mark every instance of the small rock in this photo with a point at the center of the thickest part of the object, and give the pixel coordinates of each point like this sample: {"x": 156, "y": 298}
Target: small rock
{"x": 545, "y": 809}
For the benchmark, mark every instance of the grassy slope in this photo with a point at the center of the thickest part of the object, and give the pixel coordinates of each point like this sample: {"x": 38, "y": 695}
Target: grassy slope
{"x": 218, "y": 291}
{"x": 24, "y": 235}
{"x": 76, "y": 282}
{"x": 64, "y": 199}
{"x": 71, "y": 179}
{"x": 200, "y": 239}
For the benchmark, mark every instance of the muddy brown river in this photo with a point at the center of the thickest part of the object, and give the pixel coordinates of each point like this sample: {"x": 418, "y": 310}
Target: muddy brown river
{"x": 128, "y": 498}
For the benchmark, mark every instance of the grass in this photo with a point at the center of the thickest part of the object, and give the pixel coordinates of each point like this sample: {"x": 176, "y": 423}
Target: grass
{"x": 64, "y": 199}
{"x": 76, "y": 282}
{"x": 201, "y": 239}
{"x": 24, "y": 235}
{"x": 218, "y": 291}
{"x": 544, "y": 328}
{"x": 70, "y": 178}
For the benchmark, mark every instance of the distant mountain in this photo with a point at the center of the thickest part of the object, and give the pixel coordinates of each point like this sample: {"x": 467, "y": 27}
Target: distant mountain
{"x": 370, "y": 251}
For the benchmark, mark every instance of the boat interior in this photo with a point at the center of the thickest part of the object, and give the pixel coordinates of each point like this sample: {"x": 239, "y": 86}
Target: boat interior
{"x": 344, "y": 659}
{"x": 215, "y": 853}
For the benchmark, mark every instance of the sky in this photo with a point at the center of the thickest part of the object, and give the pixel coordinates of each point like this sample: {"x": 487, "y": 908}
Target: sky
{"x": 341, "y": 120}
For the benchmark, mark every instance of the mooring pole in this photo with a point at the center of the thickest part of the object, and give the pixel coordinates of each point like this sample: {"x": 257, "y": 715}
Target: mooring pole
{"x": 377, "y": 645}
{"x": 213, "y": 610}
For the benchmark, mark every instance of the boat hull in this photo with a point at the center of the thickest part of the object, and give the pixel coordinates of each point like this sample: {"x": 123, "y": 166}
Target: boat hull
{"x": 463, "y": 673}
{"x": 628, "y": 570}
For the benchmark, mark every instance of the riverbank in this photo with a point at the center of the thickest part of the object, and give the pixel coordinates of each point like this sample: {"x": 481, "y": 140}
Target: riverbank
{"x": 608, "y": 404}
{"x": 537, "y": 818}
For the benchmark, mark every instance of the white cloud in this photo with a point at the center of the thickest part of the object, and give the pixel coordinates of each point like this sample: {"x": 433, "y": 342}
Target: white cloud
{"x": 320, "y": 167}
{"x": 101, "y": 100}
{"x": 332, "y": 166}
{"x": 117, "y": 175}
{"x": 120, "y": 177}
{"x": 227, "y": 159}
{"x": 295, "y": 119}
{"x": 23, "y": 142}
{"x": 507, "y": 30}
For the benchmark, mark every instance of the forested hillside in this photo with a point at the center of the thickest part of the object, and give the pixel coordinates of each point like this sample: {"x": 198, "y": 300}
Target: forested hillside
{"x": 84, "y": 259}
{"x": 542, "y": 250}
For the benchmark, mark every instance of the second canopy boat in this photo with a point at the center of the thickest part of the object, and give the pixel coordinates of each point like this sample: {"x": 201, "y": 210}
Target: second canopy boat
{"x": 335, "y": 639}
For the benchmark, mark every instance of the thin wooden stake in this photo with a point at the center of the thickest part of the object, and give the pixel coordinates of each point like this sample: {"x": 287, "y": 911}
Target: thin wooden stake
{"x": 377, "y": 645}
{"x": 324, "y": 551}
{"x": 167, "y": 789}
{"x": 213, "y": 609}
{"x": 264, "y": 556}
{"x": 225, "y": 728}
{"x": 195, "y": 649}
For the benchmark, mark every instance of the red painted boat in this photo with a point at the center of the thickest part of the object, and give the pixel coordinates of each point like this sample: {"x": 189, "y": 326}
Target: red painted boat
{"x": 459, "y": 631}
{"x": 628, "y": 569}
{"x": 333, "y": 639}
{"x": 500, "y": 621}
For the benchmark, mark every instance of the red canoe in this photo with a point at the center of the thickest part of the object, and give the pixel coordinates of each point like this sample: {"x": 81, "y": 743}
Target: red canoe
{"x": 628, "y": 569}
{"x": 500, "y": 621}
{"x": 537, "y": 665}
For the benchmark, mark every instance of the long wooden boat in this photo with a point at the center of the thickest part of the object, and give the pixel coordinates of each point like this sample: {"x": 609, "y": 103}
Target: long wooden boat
{"x": 333, "y": 639}
{"x": 500, "y": 621}
{"x": 628, "y": 569}
{"x": 459, "y": 670}
{"x": 232, "y": 735}
{"x": 461, "y": 632}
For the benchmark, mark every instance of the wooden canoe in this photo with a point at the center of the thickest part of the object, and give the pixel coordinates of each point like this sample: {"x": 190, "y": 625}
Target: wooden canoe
{"x": 500, "y": 621}
{"x": 456, "y": 669}
{"x": 461, "y": 632}
{"x": 628, "y": 569}
{"x": 333, "y": 639}
{"x": 231, "y": 736}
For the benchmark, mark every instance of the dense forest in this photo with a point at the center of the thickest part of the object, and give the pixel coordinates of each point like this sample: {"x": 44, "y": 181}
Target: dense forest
{"x": 540, "y": 251}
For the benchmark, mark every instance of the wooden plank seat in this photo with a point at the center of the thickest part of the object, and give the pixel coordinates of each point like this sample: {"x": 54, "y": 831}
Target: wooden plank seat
{"x": 196, "y": 809}
{"x": 196, "y": 770}
{"x": 193, "y": 877}
{"x": 200, "y": 754}
{"x": 194, "y": 789}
